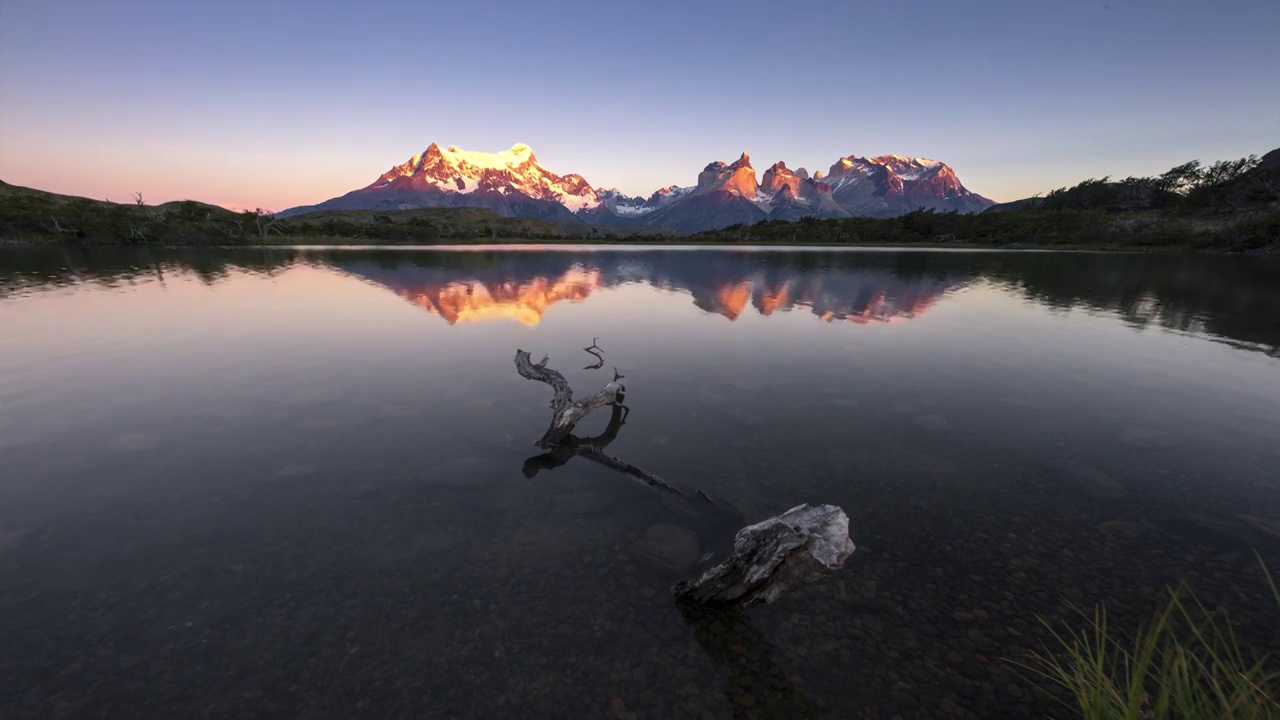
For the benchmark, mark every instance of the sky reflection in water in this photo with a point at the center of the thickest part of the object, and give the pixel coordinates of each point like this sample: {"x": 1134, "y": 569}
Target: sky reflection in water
{"x": 304, "y": 452}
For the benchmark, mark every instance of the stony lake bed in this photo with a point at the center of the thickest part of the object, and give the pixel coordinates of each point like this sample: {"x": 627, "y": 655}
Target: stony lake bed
{"x": 292, "y": 482}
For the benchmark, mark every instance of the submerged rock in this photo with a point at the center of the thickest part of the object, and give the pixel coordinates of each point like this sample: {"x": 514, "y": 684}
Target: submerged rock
{"x": 1086, "y": 480}
{"x": 1213, "y": 532}
{"x": 1266, "y": 526}
{"x": 742, "y": 417}
{"x": 11, "y": 539}
{"x": 463, "y": 472}
{"x": 667, "y": 547}
{"x": 584, "y": 503}
{"x": 1122, "y": 527}
{"x": 935, "y": 423}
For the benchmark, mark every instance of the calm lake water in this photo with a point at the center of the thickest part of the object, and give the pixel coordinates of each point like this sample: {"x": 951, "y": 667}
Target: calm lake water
{"x": 298, "y": 483}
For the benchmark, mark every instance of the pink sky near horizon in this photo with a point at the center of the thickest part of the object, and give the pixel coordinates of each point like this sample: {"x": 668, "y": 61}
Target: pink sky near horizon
{"x": 278, "y": 104}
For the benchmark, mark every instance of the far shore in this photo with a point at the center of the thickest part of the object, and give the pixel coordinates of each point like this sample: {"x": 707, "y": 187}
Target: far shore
{"x": 525, "y": 244}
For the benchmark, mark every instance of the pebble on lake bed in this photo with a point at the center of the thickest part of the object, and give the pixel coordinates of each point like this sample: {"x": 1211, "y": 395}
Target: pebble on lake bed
{"x": 463, "y": 472}
{"x": 667, "y": 547}
{"x": 1086, "y": 480}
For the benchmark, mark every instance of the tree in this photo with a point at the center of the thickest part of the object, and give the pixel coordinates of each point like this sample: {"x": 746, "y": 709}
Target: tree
{"x": 1182, "y": 179}
{"x": 266, "y": 222}
{"x": 1137, "y": 193}
{"x": 1218, "y": 182}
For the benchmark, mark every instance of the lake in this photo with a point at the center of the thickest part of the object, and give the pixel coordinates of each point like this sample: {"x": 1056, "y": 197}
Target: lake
{"x": 302, "y": 482}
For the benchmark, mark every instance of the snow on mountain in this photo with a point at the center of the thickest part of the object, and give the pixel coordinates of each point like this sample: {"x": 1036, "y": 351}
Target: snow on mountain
{"x": 635, "y": 207}
{"x": 513, "y": 183}
{"x": 465, "y": 171}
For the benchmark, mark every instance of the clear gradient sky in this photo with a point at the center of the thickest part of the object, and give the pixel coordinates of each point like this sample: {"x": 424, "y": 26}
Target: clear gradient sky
{"x": 276, "y": 104}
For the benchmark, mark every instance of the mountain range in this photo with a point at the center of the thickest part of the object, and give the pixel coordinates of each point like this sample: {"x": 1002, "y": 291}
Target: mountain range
{"x": 513, "y": 183}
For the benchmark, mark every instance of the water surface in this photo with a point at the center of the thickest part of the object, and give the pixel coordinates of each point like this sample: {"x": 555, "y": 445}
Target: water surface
{"x": 299, "y": 483}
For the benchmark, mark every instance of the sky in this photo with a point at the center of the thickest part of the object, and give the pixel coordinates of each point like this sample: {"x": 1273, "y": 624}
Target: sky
{"x": 277, "y": 104}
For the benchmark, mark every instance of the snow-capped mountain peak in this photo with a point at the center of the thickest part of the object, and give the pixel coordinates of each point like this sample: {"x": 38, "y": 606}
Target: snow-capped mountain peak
{"x": 454, "y": 170}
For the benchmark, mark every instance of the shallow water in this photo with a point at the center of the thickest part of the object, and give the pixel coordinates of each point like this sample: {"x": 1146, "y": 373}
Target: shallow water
{"x": 267, "y": 483}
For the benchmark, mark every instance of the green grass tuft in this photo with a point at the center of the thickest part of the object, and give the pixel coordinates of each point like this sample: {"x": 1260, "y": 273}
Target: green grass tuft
{"x": 1185, "y": 663}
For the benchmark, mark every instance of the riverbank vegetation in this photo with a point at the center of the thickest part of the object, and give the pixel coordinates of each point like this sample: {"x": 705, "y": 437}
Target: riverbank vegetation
{"x": 1227, "y": 206}
{"x": 1187, "y": 662}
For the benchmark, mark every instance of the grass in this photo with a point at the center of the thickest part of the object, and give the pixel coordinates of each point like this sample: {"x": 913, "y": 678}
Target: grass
{"x": 1187, "y": 662}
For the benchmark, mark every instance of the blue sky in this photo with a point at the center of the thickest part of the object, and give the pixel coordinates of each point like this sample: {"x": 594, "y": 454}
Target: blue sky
{"x": 276, "y": 104}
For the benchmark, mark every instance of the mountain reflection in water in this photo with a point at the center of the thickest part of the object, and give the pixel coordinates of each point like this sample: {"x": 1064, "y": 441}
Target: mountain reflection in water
{"x": 1230, "y": 299}
{"x": 720, "y": 283}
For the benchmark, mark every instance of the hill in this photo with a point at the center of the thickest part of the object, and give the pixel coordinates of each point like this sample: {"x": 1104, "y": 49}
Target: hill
{"x": 31, "y": 215}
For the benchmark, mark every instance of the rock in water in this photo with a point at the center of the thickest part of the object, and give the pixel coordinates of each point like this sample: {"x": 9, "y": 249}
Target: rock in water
{"x": 773, "y": 556}
{"x": 1087, "y": 480}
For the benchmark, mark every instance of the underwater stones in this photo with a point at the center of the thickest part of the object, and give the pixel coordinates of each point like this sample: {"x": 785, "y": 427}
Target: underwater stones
{"x": 1086, "y": 480}
{"x": 667, "y": 547}
{"x": 463, "y": 473}
{"x": 1266, "y": 526}
{"x": 742, "y": 417}
{"x": 934, "y": 423}
{"x": 1122, "y": 527}
{"x": 11, "y": 539}
{"x": 1213, "y": 532}
{"x": 584, "y": 503}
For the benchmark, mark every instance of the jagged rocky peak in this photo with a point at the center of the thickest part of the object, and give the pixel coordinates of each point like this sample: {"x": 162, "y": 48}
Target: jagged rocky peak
{"x": 778, "y": 177}
{"x": 802, "y": 173}
{"x": 817, "y": 175}
{"x": 843, "y": 166}
{"x": 738, "y": 178}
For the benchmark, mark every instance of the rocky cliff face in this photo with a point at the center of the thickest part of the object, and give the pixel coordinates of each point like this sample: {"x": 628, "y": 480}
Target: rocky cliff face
{"x": 737, "y": 178}
{"x": 893, "y": 185}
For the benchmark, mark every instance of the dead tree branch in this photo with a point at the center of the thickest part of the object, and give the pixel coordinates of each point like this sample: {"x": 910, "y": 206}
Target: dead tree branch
{"x": 567, "y": 411}
{"x": 598, "y": 352}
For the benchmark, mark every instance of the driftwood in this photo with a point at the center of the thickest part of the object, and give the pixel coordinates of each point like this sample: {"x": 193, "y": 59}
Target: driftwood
{"x": 567, "y": 410}
{"x": 768, "y": 558}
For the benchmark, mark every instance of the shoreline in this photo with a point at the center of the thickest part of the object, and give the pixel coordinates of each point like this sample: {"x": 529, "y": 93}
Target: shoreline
{"x": 526, "y": 245}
